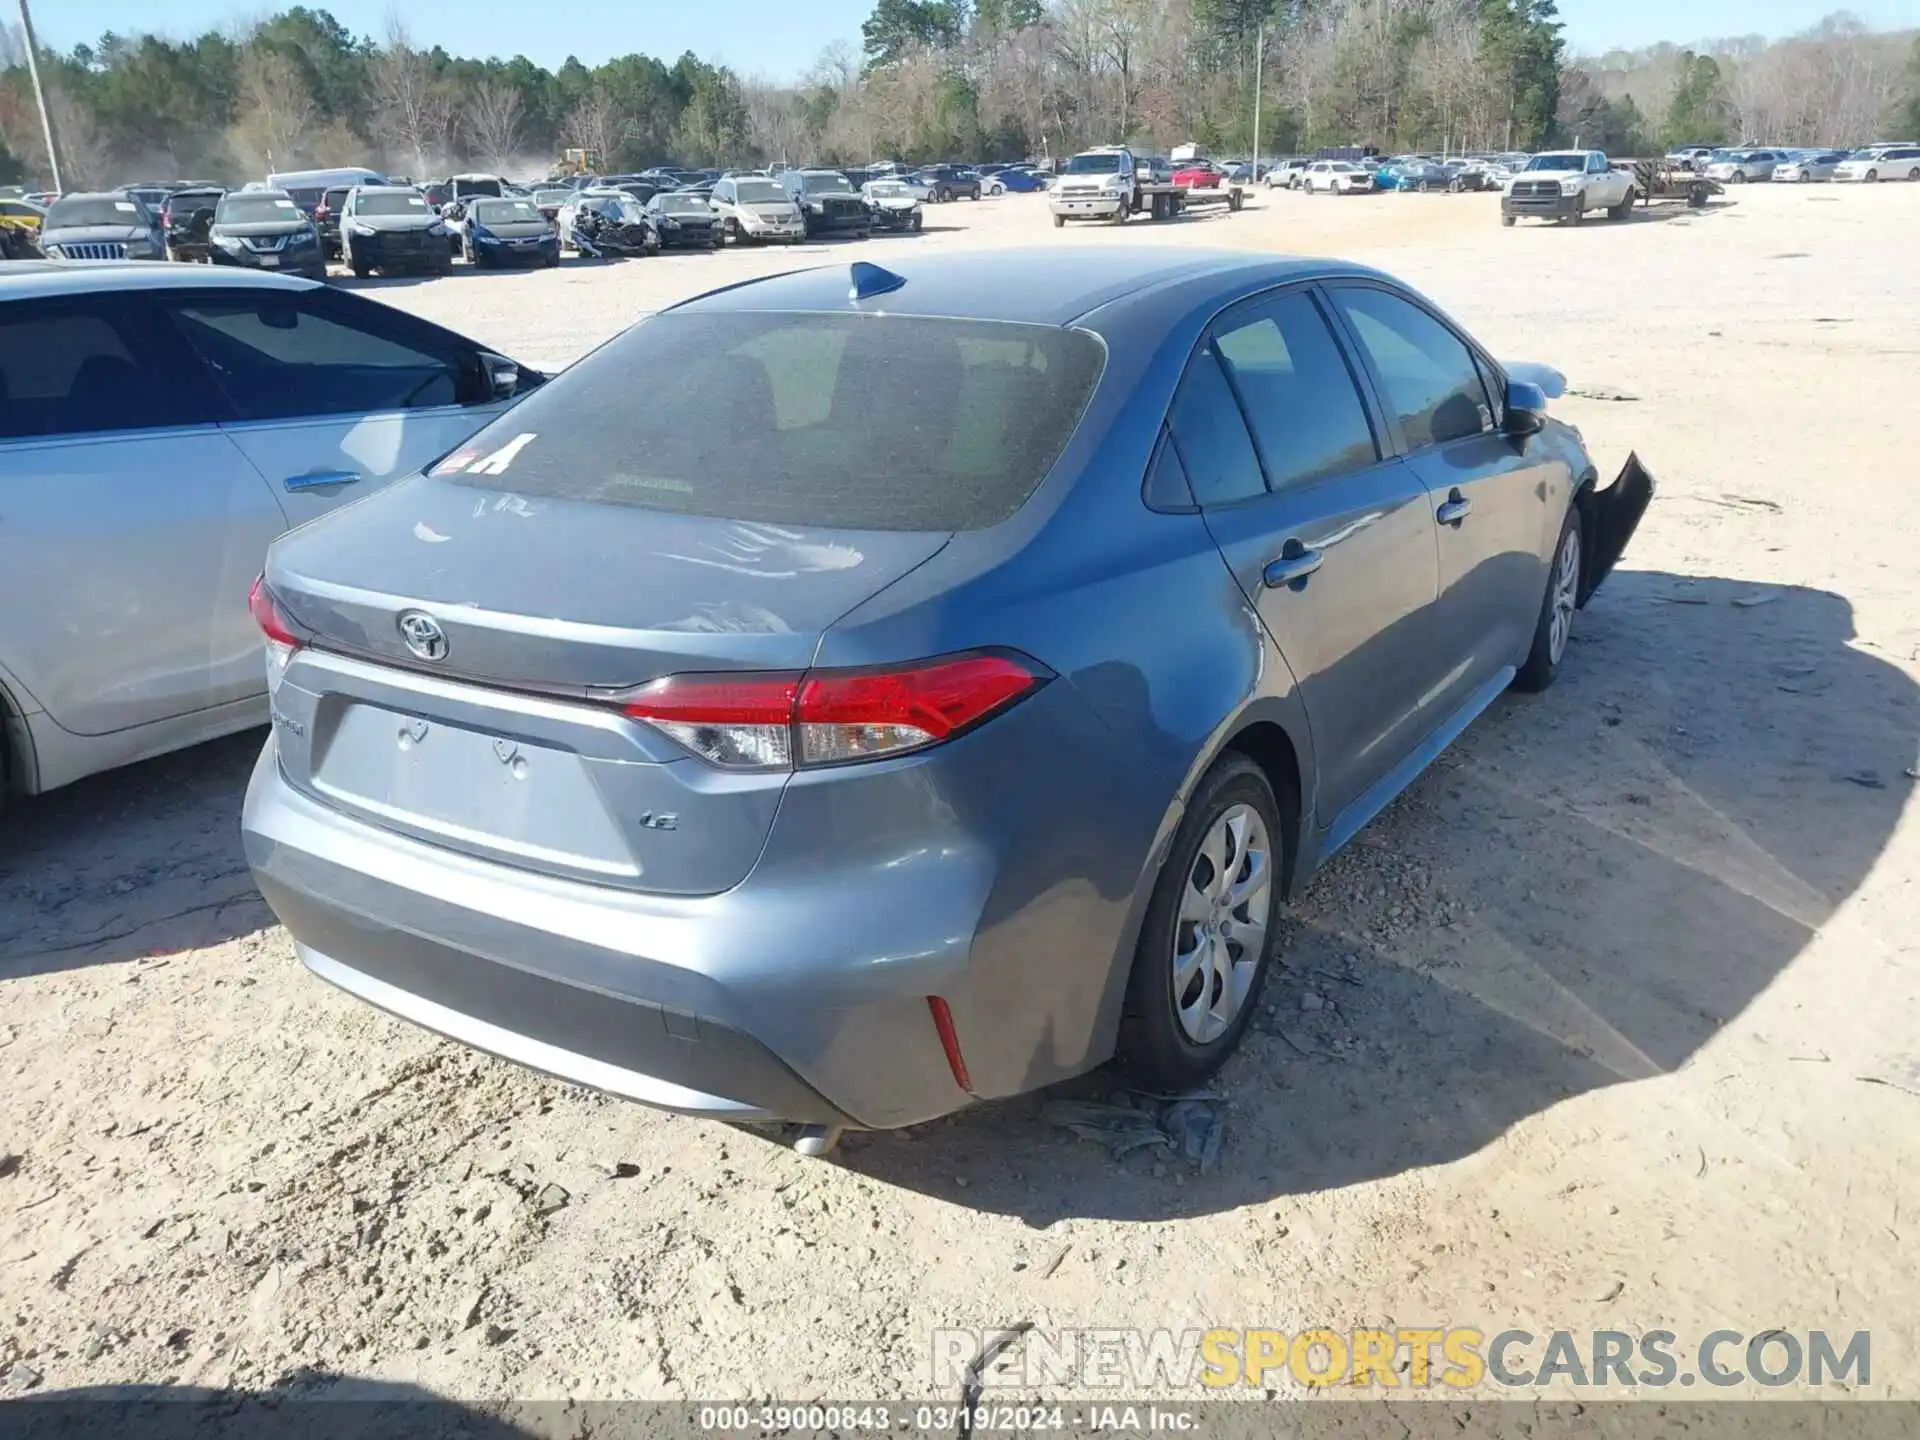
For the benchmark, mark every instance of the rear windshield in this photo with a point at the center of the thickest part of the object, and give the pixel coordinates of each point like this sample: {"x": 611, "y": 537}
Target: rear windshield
{"x": 505, "y": 212}
{"x": 848, "y": 421}
{"x": 96, "y": 210}
{"x": 390, "y": 204}
{"x": 254, "y": 209}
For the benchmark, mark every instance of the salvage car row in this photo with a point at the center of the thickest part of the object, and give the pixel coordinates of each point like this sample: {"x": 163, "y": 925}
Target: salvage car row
{"x": 300, "y": 221}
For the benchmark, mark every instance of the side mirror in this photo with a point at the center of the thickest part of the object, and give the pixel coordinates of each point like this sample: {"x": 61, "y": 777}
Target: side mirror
{"x": 1526, "y": 408}
{"x": 503, "y": 376}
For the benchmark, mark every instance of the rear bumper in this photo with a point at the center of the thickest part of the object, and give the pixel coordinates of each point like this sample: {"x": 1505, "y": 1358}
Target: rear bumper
{"x": 770, "y": 1004}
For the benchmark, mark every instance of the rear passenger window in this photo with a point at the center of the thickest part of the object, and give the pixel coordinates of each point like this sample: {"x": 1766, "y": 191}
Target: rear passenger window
{"x": 277, "y": 359}
{"x": 1299, "y": 395}
{"x": 79, "y": 368}
{"x": 1212, "y": 436}
{"x": 1431, "y": 379}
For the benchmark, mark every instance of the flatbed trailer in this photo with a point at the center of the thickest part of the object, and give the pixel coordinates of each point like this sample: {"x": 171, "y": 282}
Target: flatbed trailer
{"x": 1157, "y": 200}
{"x": 1670, "y": 180}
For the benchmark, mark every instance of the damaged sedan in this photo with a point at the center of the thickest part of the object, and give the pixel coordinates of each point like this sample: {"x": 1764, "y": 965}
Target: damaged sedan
{"x": 962, "y": 723}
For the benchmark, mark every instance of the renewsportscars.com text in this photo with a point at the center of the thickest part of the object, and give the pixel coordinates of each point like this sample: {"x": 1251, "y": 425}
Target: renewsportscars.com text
{"x": 1402, "y": 1358}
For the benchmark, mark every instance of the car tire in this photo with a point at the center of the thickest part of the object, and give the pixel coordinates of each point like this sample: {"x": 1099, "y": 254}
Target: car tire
{"x": 1870, "y": 177}
{"x": 1737, "y": 178}
{"x": 1914, "y": 174}
{"x": 1193, "y": 988}
{"x": 1623, "y": 210}
{"x": 1059, "y": 222}
{"x": 1506, "y": 222}
{"x": 1553, "y": 630}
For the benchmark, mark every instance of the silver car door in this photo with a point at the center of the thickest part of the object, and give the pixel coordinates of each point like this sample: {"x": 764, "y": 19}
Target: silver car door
{"x": 130, "y": 525}
{"x": 336, "y": 396}
{"x": 1330, "y": 538}
{"x": 1497, "y": 500}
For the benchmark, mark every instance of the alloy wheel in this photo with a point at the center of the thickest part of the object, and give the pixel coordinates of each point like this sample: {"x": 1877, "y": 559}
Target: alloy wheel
{"x": 1566, "y": 594}
{"x": 1220, "y": 934}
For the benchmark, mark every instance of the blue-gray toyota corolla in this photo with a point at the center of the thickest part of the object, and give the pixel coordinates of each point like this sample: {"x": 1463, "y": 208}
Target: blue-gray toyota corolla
{"x": 945, "y": 714}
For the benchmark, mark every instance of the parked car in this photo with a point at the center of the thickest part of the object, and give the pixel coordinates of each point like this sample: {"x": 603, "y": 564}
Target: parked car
{"x": 685, "y": 221}
{"x": 1895, "y": 162}
{"x": 1018, "y": 180}
{"x": 20, "y": 222}
{"x": 100, "y": 227}
{"x": 159, "y": 425}
{"x": 389, "y": 228}
{"x": 1739, "y": 167}
{"x": 607, "y": 223}
{"x": 265, "y": 230}
{"x": 495, "y": 233}
{"x": 186, "y": 221}
{"x": 1287, "y": 174}
{"x": 892, "y": 205}
{"x": 151, "y": 196}
{"x": 326, "y": 219}
{"x": 941, "y": 183}
{"x": 1412, "y": 172}
{"x": 754, "y": 209}
{"x": 1691, "y": 157}
{"x": 1804, "y": 169}
{"x": 639, "y": 837}
{"x": 549, "y": 199}
{"x": 827, "y": 203}
{"x": 1338, "y": 177}
{"x": 1469, "y": 175}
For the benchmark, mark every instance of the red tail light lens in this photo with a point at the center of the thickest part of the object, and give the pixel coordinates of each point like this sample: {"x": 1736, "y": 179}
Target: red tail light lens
{"x": 268, "y": 616}
{"x": 832, "y": 717}
{"x": 740, "y": 722}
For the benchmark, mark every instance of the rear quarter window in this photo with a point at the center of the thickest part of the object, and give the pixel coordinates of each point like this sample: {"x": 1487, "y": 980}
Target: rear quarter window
{"x": 848, "y": 421}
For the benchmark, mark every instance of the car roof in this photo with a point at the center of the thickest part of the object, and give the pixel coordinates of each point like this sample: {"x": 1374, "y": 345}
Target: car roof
{"x": 1052, "y": 286}
{"x": 386, "y": 189}
{"x": 43, "y": 279}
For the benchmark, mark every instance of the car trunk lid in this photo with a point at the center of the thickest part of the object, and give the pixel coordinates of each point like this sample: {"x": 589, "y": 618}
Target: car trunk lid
{"x": 504, "y": 737}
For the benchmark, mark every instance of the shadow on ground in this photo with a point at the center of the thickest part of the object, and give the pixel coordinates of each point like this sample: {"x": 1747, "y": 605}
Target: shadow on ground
{"x": 305, "y": 1407}
{"x": 135, "y": 862}
{"x": 1587, "y": 887}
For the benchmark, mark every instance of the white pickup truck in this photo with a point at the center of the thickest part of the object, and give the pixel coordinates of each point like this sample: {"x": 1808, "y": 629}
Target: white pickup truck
{"x": 1565, "y": 185}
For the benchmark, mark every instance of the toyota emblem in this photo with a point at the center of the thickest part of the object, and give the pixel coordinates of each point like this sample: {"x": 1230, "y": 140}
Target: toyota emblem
{"x": 423, "y": 634}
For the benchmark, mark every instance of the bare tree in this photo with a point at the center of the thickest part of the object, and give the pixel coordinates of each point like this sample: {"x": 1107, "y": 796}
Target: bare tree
{"x": 777, "y": 123}
{"x": 596, "y": 124}
{"x": 492, "y": 115}
{"x": 410, "y": 105}
{"x": 276, "y": 108}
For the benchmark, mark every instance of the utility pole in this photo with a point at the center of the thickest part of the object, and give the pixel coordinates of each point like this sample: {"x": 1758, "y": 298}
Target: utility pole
{"x": 1259, "y": 56}
{"x": 40, "y": 95}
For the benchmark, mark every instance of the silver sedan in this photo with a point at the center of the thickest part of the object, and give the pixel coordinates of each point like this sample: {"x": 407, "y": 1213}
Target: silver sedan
{"x": 1809, "y": 168}
{"x": 1741, "y": 166}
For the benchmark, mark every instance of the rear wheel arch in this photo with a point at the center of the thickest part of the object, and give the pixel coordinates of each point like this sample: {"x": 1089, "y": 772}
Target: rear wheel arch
{"x": 1267, "y": 744}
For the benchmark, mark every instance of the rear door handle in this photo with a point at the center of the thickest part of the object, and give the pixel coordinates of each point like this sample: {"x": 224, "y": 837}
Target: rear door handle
{"x": 1455, "y": 508}
{"x": 320, "y": 480}
{"x": 1292, "y": 568}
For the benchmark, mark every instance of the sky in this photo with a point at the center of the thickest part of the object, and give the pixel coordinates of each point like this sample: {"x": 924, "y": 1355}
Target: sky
{"x": 781, "y": 38}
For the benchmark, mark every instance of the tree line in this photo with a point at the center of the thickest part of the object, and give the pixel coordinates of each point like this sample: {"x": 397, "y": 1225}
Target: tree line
{"x": 947, "y": 79}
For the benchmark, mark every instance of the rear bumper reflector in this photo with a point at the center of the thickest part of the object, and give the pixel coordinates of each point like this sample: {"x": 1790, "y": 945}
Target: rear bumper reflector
{"x": 950, "y": 1042}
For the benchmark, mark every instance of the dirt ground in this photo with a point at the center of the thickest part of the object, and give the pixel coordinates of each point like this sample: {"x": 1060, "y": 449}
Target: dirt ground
{"x": 1609, "y": 1024}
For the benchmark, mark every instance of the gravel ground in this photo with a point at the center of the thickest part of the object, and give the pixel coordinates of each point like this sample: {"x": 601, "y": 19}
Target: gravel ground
{"x": 1609, "y": 1023}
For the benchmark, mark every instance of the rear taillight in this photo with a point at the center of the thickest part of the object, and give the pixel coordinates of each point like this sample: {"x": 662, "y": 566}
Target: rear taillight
{"x": 282, "y": 639}
{"x": 832, "y": 717}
